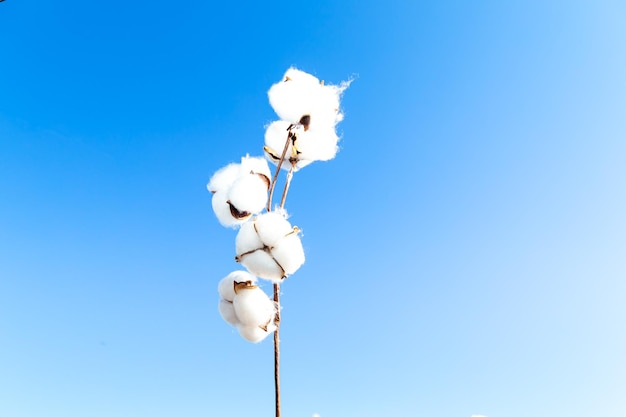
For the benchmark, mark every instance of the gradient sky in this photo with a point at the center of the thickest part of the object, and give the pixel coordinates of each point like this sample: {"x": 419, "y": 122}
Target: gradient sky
{"x": 466, "y": 249}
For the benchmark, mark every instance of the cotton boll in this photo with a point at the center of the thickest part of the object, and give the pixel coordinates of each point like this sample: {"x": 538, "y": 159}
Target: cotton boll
{"x": 255, "y": 165}
{"x": 319, "y": 144}
{"x": 224, "y": 211}
{"x": 227, "y": 311}
{"x": 262, "y": 264}
{"x": 253, "y": 334}
{"x": 248, "y": 193}
{"x": 271, "y": 227}
{"x": 253, "y": 307}
{"x": 302, "y": 94}
{"x": 289, "y": 253}
{"x": 226, "y": 287}
{"x": 223, "y": 178}
{"x": 275, "y": 137}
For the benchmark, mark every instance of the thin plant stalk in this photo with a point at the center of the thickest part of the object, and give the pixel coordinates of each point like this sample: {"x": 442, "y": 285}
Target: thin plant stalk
{"x": 277, "y": 349}
{"x": 277, "y": 286}
{"x": 287, "y": 184}
{"x": 277, "y": 301}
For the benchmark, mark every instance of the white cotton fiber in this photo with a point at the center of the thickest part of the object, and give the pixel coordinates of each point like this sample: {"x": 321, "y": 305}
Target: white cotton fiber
{"x": 263, "y": 265}
{"x": 301, "y": 77}
{"x": 248, "y": 193}
{"x": 227, "y": 311}
{"x": 275, "y": 137}
{"x": 240, "y": 190}
{"x": 247, "y": 239}
{"x": 226, "y": 287}
{"x": 271, "y": 227}
{"x": 254, "y": 334}
{"x": 317, "y": 145}
{"x": 256, "y": 165}
{"x": 253, "y": 307}
{"x": 302, "y": 94}
{"x": 289, "y": 254}
{"x": 223, "y": 178}
{"x": 269, "y": 247}
{"x": 288, "y": 97}
{"x": 222, "y": 210}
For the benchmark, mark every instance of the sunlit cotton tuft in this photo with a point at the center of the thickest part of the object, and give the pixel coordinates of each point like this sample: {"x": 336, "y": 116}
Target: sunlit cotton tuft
{"x": 223, "y": 178}
{"x": 244, "y": 305}
{"x": 301, "y": 94}
{"x": 240, "y": 190}
{"x": 269, "y": 247}
{"x": 310, "y": 112}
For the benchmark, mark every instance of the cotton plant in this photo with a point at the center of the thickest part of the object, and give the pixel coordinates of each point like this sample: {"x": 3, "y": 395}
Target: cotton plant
{"x": 267, "y": 245}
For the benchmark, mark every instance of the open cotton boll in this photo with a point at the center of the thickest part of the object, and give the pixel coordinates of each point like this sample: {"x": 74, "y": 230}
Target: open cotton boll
{"x": 248, "y": 194}
{"x": 306, "y": 147}
{"x": 224, "y": 211}
{"x": 288, "y": 252}
{"x": 223, "y": 178}
{"x": 262, "y": 264}
{"x": 256, "y": 165}
{"x": 271, "y": 227}
{"x": 301, "y": 94}
{"x": 269, "y": 247}
{"x": 254, "y": 334}
{"x": 227, "y": 311}
{"x": 226, "y": 287}
{"x": 253, "y": 307}
{"x": 275, "y": 138}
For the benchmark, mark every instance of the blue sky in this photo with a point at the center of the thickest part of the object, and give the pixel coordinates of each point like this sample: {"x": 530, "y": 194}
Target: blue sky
{"x": 466, "y": 249}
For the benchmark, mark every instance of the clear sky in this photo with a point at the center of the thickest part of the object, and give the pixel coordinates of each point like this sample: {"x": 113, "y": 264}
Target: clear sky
{"x": 466, "y": 249}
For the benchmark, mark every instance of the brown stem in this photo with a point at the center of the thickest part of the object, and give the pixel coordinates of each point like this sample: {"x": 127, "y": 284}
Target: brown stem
{"x": 277, "y": 286}
{"x": 278, "y": 165}
{"x": 277, "y": 301}
{"x": 277, "y": 348}
{"x": 287, "y": 184}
